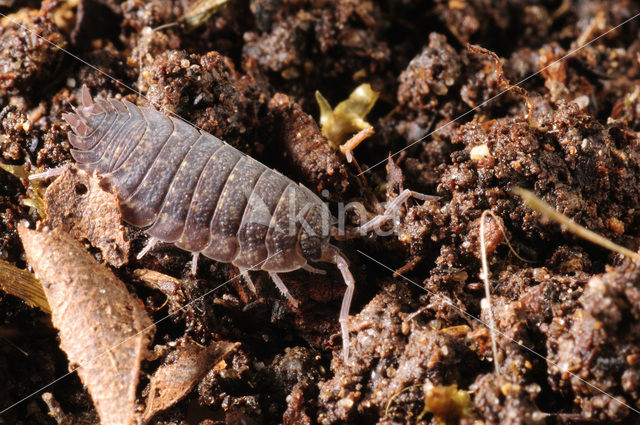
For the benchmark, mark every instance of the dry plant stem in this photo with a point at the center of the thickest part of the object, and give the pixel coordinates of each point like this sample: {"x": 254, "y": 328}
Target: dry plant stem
{"x": 547, "y": 210}
{"x": 487, "y": 293}
{"x": 348, "y": 147}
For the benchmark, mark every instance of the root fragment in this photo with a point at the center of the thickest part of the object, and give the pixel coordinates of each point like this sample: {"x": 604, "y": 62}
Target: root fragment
{"x": 533, "y": 202}
{"x": 502, "y": 80}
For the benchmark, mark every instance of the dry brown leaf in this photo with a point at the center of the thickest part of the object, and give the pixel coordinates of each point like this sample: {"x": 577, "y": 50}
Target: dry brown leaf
{"x": 24, "y": 285}
{"x": 77, "y": 204}
{"x": 182, "y": 370}
{"x": 103, "y": 328}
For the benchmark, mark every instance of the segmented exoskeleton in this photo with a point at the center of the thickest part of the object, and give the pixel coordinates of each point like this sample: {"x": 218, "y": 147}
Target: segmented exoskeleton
{"x": 203, "y": 195}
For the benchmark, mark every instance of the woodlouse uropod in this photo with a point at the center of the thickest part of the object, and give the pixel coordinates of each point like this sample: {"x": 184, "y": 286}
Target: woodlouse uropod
{"x": 201, "y": 194}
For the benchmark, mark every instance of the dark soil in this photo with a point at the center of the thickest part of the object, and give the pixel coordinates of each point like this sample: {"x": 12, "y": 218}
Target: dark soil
{"x": 568, "y": 318}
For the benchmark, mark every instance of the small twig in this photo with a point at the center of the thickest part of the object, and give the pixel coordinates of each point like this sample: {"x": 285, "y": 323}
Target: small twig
{"x": 487, "y": 293}
{"x": 548, "y": 211}
{"x": 348, "y": 147}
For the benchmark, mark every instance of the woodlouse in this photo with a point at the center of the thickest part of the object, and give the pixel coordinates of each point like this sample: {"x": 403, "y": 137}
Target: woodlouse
{"x": 192, "y": 189}
{"x": 203, "y": 195}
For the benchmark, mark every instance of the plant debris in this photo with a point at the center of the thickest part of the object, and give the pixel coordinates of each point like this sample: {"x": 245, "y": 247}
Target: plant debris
{"x": 35, "y": 192}
{"x": 348, "y": 117}
{"x": 199, "y": 12}
{"x": 75, "y": 203}
{"x": 447, "y": 403}
{"x": 24, "y": 285}
{"x": 181, "y": 371}
{"x": 103, "y": 328}
{"x": 169, "y": 286}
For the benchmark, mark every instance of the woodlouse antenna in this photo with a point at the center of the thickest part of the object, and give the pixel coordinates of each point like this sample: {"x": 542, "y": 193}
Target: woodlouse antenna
{"x": 380, "y": 219}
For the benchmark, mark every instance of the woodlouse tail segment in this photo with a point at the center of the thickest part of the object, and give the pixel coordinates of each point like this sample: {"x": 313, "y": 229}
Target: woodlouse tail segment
{"x": 77, "y": 124}
{"x": 87, "y": 102}
{"x": 331, "y": 254}
{"x": 101, "y": 120}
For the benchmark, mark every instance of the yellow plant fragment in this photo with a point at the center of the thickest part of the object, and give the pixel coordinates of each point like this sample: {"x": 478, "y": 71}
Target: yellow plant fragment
{"x": 447, "y": 403}
{"x": 17, "y": 171}
{"x": 24, "y": 285}
{"x": 348, "y": 117}
{"x": 35, "y": 191}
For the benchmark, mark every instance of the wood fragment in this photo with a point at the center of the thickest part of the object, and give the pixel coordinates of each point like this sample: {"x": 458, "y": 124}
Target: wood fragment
{"x": 77, "y": 204}
{"x": 103, "y": 328}
{"x": 183, "y": 369}
{"x": 348, "y": 147}
{"x": 168, "y": 285}
{"x": 24, "y": 285}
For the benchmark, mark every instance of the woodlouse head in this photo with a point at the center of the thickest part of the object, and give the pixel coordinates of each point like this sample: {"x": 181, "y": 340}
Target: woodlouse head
{"x": 315, "y": 232}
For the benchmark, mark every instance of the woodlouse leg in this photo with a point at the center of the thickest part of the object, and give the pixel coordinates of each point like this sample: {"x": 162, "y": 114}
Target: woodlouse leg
{"x": 148, "y": 247}
{"x": 333, "y": 255}
{"x": 390, "y": 209}
{"x": 312, "y": 269}
{"x": 283, "y": 288}
{"x": 247, "y": 278}
{"x": 194, "y": 263}
{"x": 51, "y": 172}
